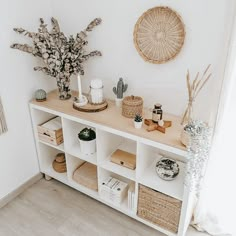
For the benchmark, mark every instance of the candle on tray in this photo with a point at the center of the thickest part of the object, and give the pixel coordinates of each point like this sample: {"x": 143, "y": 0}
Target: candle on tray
{"x": 79, "y": 88}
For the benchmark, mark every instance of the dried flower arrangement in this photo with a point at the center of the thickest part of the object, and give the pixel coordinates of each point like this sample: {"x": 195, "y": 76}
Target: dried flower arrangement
{"x": 63, "y": 56}
{"x": 193, "y": 90}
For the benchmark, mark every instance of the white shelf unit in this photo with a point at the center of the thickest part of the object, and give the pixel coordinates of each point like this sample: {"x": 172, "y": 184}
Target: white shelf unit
{"x": 111, "y": 137}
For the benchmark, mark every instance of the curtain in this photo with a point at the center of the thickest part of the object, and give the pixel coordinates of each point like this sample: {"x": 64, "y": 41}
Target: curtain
{"x": 216, "y": 208}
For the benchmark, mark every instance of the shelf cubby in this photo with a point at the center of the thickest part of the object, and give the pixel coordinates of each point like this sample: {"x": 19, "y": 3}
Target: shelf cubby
{"x": 72, "y": 145}
{"x": 102, "y": 176}
{"x": 146, "y": 172}
{"x": 72, "y": 164}
{"x": 109, "y": 143}
{"x": 48, "y": 155}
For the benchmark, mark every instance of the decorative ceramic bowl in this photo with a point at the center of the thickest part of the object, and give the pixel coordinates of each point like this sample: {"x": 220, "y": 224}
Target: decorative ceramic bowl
{"x": 167, "y": 169}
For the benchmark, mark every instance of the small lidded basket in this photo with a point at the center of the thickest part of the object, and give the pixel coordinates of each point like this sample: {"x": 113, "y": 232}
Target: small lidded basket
{"x": 132, "y": 105}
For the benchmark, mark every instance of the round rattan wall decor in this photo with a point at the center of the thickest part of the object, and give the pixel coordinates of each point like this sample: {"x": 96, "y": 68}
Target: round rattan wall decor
{"x": 159, "y": 35}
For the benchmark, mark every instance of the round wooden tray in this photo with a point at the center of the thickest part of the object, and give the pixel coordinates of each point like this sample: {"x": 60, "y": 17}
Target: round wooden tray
{"x": 159, "y": 35}
{"x": 91, "y": 107}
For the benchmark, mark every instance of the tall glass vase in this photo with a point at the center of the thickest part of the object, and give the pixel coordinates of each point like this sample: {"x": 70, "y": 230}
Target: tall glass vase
{"x": 63, "y": 84}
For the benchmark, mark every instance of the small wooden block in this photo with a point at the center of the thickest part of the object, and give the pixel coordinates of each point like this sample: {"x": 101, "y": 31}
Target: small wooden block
{"x": 123, "y": 158}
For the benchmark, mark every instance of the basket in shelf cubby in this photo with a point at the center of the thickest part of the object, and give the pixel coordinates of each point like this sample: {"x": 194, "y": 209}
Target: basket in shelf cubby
{"x": 159, "y": 208}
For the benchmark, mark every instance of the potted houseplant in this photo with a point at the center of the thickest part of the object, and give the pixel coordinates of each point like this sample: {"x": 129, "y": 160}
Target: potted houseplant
{"x": 138, "y": 121}
{"x": 87, "y": 138}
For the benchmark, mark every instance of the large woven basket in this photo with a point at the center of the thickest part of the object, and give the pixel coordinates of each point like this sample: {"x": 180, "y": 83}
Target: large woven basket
{"x": 159, "y": 35}
{"x": 159, "y": 208}
{"x": 132, "y": 105}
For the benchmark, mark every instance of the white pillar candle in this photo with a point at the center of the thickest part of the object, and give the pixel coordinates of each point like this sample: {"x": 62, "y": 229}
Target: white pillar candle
{"x": 79, "y": 88}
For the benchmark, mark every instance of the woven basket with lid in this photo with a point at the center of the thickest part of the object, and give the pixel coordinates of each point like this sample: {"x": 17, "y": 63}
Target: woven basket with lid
{"x": 132, "y": 105}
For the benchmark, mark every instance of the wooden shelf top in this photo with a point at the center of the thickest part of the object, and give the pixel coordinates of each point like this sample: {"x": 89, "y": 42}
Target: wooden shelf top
{"x": 112, "y": 118}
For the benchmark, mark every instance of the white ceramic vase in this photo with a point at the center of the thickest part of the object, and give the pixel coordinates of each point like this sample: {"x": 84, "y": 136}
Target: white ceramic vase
{"x": 88, "y": 147}
{"x": 184, "y": 137}
{"x": 138, "y": 125}
{"x": 119, "y": 102}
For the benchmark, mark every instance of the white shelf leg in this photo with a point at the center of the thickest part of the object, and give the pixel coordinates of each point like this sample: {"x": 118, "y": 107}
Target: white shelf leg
{"x": 47, "y": 177}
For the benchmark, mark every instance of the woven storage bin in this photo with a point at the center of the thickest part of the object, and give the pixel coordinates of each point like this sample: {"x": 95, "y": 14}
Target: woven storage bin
{"x": 132, "y": 105}
{"x": 159, "y": 208}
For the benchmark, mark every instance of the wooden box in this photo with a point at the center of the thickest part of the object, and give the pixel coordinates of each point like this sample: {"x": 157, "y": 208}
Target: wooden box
{"x": 159, "y": 208}
{"x": 123, "y": 158}
{"x": 51, "y": 131}
{"x": 86, "y": 175}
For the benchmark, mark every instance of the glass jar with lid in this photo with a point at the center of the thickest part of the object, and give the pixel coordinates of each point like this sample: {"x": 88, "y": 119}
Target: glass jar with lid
{"x": 157, "y": 113}
{"x": 96, "y": 92}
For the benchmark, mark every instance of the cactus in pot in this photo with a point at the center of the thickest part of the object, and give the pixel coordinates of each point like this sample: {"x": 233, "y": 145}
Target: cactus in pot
{"x": 119, "y": 91}
{"x": 87, "y": 138}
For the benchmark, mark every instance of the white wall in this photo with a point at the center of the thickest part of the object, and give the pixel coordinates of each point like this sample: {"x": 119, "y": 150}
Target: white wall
{"x": 207, "y": 26}
{"x": 18, "y": 81}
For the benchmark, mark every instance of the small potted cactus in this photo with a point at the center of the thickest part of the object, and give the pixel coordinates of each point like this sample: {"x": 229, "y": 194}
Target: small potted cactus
{"x": 87, "y": 139}
{"x": 138, "y": 121}
{"x": 119, "y": 91}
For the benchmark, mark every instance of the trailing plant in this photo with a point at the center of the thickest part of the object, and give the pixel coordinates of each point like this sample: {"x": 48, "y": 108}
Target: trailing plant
{"x": 87, "y": 134}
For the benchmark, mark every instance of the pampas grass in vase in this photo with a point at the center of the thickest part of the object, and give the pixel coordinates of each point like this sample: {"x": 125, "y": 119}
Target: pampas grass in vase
{"x": 194, "y": 89}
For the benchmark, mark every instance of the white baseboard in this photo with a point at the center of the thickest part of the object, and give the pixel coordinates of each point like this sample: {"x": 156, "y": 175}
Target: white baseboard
{"x": 9, "y": 197}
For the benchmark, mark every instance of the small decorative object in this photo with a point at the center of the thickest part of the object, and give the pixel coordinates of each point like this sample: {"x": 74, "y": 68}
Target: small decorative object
{"x": 3, "y": 124}
{"x": 159, "y": 35}
{"x": 40, "y": 95}
{"x": 59, "y": 164}
{"x": 157, "y": 113}
{"x": 86, "y": 175}
{"x": 132, "y": 105}
{"x": 81, "y": 100}
{"x": 119, "y": 90}
{"x": 114, "y": 190}
{"x": 96, "y": 91}
{"x": 87, "y": 138}
{"x": 193, "y": 90}
{"x": 63, "y": 56}
{"x": 198, "y": 153}
{"x": 167, "y": 168}
{"x": 124, "y": 158}
{"x": 156, "y": 126}
{"x": 51, "y": 131}
{"x": 185, "y": 134}
{"x": 138, "y": 121}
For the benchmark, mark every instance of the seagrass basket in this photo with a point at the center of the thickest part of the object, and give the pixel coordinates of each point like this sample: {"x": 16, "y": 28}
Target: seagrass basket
{"x": 159, "y": 208}
{"x": 132, "y": 105}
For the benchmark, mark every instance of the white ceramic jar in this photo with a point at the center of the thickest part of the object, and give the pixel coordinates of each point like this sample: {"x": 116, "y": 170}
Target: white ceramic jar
{"x": 96, "y": 91}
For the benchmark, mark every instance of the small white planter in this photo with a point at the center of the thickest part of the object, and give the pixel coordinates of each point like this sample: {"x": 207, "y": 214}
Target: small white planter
{"x": 119, "y": 102}
{"x": 88, "y": 147}
{"x": 138, "y": 125}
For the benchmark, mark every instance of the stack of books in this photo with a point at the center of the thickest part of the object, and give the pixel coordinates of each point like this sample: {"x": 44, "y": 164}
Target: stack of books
{"x": 131, "y": 192}
{"x": 114, "y": 190}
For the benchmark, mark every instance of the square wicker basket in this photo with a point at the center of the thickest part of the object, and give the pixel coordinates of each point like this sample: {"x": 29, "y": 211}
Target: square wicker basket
{"x": 159, "y": 208}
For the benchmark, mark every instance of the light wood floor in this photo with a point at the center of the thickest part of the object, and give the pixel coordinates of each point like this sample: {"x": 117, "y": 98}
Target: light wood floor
{"x": 50, "y": 208}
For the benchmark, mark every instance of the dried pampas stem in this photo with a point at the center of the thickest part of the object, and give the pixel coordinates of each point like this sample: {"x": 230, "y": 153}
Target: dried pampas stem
{"x": 193, "y": 91}
{"x": 3, "y": 124}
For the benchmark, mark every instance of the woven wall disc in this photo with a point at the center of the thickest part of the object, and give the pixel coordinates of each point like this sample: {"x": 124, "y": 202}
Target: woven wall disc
{"x": 159, "y": 35}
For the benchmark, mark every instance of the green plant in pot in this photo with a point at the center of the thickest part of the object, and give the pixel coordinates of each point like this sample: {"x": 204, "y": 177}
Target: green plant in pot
{"x": 87, "y": 138}
{"x": 138, "y": 121}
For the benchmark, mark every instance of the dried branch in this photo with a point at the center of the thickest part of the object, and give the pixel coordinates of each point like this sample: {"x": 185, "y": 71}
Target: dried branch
{"x": 193, "y": 91}
{"x": 62, "y": 56}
